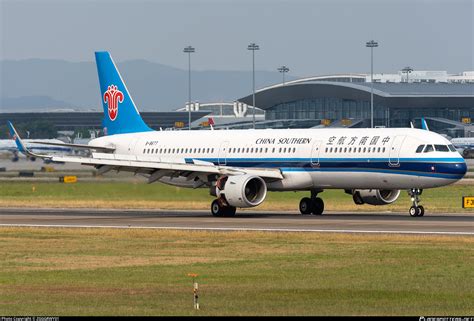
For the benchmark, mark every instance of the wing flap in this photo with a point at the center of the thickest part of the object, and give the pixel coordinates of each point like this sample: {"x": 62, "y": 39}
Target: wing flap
{"x": 78, "y": 146}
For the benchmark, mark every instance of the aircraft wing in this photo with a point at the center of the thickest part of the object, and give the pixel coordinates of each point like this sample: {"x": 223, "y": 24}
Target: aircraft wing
{"x": 80, "y": 146}
{"x": 158, "y": 168}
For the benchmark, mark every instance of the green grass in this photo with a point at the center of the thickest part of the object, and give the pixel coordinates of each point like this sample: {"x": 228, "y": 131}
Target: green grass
{"x": 46, "y": 271}
{"x": 155, "y": 196}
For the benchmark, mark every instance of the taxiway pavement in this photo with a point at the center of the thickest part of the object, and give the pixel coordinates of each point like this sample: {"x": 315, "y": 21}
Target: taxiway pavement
{"x": 452, "y": 224}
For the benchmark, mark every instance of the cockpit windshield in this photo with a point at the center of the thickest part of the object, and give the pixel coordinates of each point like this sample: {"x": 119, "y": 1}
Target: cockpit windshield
{"x": 428, "y": 148}
{"x": 441, "y": 148}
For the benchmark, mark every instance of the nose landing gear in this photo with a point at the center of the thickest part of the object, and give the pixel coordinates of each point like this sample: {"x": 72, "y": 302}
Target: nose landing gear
{"x": 416, "y": 209}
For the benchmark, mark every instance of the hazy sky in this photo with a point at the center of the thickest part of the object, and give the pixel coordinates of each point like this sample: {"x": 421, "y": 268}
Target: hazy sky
{"x": 310, "y": 37}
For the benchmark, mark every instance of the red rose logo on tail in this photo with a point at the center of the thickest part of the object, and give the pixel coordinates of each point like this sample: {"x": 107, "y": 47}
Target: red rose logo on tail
{"x": 113, "y": 97}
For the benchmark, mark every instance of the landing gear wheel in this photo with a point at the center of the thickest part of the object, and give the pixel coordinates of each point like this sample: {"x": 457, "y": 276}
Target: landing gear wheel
{"x": 305, "y": 206}
{"x": 216, "y": 208}
{"x": 318, "y": 206}
{"x": 416, "y": 209}
{"x": 229, "y": 211}
{"x": 421, "y": 210}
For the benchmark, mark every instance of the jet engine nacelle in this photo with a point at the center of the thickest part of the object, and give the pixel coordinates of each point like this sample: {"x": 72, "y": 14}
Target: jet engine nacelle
{"x": 375, "y": 196}
{"x": 243, "y": 190}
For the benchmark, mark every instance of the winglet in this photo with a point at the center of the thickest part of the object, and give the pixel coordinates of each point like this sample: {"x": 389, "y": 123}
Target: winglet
{"x": 424, "y": 125}
{"x": 19, "y": 143}
{"x": 411, "y": 125}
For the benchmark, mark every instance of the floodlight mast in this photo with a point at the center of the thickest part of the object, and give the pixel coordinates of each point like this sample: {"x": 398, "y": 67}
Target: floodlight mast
{"x": 283, "y": 70}
{"x": 372, "y": 44}
{"x": 189, "y": 50}
{"x": 253, "y": 47}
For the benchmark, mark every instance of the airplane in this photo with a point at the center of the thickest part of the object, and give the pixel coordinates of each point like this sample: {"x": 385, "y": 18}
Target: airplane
{"x": 239, "y": 167}
{"x": 465, "y": 145}
{"x": 9, "y": 146}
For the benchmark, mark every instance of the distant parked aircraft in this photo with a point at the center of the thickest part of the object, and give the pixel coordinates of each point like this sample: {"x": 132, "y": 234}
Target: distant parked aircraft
{"x": 464, "y": 145}
{"x": 8, "y": 146}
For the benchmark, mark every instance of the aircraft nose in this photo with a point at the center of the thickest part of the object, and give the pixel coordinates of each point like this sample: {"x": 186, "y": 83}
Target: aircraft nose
{"x": 461, "y": 168}
{"x": 455, "y": 170}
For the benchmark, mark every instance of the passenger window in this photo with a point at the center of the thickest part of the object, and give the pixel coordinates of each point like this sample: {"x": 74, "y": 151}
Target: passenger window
{"x": 364, "y": 150}
{"x": 428, "y": 148}
{"x": 378, "y": 150}
{"x": 441, "y": 148}
{"x": 266, "y": 149}
{"x": 383, "y": 150}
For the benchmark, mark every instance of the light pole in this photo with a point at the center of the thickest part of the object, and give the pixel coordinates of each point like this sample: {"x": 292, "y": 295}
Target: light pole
{"x": 253, "y": 47}
{"x": 372, "y": 44}
{"x": 283, "y": 70}
{"x": 189, "y": 50}
{"x": 407, "y": 70}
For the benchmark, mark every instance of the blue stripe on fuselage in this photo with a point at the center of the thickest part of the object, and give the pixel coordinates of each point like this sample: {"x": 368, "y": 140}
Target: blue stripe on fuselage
{"x": 454, "y": 168}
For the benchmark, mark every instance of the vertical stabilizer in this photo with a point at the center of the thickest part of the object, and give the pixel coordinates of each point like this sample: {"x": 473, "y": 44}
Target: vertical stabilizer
{"x": 121, "y": 116}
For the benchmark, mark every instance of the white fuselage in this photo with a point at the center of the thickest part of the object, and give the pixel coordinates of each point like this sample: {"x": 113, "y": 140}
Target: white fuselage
{"x": 308, "y": 158}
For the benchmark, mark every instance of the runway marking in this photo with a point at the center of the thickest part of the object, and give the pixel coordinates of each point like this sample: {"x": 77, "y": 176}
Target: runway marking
{"x": 238, "y": 229}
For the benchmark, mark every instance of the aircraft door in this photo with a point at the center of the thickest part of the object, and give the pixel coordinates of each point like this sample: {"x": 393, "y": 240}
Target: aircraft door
{"x": 315, "y": 150}
{"x": 223, "y": 149}
{"x": 394, "y": 156}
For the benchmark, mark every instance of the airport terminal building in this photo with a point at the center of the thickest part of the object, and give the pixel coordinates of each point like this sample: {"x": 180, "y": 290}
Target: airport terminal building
{"x": 345, "y": 101}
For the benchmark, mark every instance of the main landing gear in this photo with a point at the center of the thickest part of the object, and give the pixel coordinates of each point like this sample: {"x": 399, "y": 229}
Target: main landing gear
{"x": 416, "y": 209}
{"x": 220, "y": 208}
{"x": 313, "y": 205}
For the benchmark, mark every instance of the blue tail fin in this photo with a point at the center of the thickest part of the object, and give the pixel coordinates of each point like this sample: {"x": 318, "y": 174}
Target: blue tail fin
{"x": 424, "y": 124}
{"x": 121, "y": 116}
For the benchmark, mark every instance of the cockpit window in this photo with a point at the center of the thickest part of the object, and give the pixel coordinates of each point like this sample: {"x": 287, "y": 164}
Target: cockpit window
{"x": 420, "y": 148}
{"x": 429, "y": 148}
{"x": 452, "y": 148}
{"x": 441, "y": 148}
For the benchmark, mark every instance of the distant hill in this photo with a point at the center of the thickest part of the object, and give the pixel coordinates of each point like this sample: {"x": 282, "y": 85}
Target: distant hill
{"x": 41, "y": 84}
{"x": 33, "y": 103}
